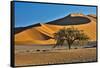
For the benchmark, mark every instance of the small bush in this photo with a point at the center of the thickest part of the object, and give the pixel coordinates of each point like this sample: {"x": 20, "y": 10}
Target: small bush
{"x": 27, "y": 51}
{"x": 37, "y": 50}
{"x": 75, "y": 48}
{"x": 44, "y": 50}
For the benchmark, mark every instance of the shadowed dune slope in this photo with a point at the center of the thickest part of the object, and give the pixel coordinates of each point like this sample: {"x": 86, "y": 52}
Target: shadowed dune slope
{"x": 43, "y": 33}
{"x": 71, "y": 19}
{"x": 20, "y": 29}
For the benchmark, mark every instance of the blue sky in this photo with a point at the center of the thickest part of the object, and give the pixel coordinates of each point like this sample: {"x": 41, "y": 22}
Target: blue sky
{"x": 32, "y": 13}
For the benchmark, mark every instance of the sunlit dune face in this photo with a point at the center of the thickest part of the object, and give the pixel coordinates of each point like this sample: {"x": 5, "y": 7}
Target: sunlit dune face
{"x": 43, "y": 34}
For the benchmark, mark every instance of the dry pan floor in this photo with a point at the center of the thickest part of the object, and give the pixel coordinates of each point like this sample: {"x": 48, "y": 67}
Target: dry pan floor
{"x": 65, "y": 56}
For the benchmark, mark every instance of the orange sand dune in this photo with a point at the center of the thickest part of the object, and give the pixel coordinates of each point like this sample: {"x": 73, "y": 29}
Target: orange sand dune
{"x": 43, "y": 34}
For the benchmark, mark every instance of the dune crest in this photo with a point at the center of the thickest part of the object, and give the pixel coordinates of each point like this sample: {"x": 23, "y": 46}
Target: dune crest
{"x": 43, "y": 34}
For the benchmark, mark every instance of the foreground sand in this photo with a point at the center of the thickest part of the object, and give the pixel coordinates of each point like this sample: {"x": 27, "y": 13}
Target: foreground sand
{"x": 55, "y": 56}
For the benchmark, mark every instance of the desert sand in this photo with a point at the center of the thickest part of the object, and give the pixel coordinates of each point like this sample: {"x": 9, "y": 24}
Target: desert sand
{"x": 55, "y": 56}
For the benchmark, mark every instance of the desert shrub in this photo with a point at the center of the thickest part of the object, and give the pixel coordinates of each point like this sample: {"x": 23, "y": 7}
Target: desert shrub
{"x": 44, "y": 50}
{"x": 27, "y": 51}
{"x": 38, "y": 50}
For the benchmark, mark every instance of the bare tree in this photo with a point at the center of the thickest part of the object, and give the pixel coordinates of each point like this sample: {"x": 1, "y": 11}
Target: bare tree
{"x": 70, "y": 35}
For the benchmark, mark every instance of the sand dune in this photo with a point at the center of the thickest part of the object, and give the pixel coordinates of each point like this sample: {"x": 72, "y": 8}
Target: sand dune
{"x": 43, "y": 34}
{"x": 71, "y": 19}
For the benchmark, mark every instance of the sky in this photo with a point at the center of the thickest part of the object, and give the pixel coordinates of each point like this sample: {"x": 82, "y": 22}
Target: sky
{"x": 31, "y": 13}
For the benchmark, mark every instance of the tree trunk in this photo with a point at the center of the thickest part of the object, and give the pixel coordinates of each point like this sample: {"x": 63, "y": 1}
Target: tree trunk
{"x": 69, "y": 46}
{"x": 70, "y": 43}
{"x": 57, "y": 43}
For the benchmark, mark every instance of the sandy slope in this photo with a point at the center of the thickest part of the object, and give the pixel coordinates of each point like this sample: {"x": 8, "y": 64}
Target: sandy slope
{"x": 43, "y": 34}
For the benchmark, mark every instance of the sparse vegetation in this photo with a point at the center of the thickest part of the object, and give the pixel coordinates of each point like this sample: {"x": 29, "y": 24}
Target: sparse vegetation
{"x": 27, "y": 51}
{"x": 75, "y": 55}
{"x": 37, "y": 50}
{"x": 44, "y": 50}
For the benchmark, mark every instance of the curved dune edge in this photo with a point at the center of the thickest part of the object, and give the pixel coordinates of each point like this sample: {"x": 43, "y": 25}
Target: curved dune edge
{"x": 43, "y": 34}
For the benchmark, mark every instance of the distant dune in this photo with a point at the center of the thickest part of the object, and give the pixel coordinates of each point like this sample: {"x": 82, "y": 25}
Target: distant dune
{"x": 43, "y": 33}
